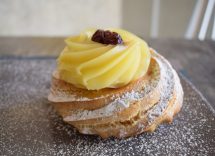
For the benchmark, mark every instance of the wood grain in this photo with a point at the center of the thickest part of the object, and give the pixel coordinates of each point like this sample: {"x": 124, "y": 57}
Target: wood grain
{"x": 194, "y": 59}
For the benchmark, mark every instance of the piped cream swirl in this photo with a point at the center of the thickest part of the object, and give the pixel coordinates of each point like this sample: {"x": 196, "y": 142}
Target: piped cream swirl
{"x": 91, "y": 65}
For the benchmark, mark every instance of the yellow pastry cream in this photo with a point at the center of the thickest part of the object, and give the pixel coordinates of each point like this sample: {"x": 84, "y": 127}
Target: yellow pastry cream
{"x": 95, "y": 65}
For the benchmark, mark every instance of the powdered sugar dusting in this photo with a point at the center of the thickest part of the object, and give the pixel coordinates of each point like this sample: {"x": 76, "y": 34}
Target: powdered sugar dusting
{"x": 169, "y": 82}
{"x": 117, "y": 105}
{"x": 29, "y": 125}
{"x": 62, "y": 96}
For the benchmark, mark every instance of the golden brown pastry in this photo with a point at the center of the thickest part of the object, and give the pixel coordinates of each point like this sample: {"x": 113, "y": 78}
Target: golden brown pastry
{"x": 110, "y": 83}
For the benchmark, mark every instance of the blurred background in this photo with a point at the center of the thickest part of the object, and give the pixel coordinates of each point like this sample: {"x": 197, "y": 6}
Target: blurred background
{"x": 146, "y": 18}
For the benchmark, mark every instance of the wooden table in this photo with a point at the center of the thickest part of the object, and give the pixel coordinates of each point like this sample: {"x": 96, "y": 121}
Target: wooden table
{"x": 194, "y": 59}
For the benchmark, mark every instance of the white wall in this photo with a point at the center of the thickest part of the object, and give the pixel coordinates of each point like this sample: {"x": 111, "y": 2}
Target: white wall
{"x": 57, "y": 17}
{"x": 66, "y": 17}
{"x": 174, "y": 17}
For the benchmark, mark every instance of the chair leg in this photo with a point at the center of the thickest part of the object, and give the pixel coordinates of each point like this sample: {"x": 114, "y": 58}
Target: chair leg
{"x": 155, "y": 18}
{"x": 195, "y": 19}
{"x": 213, "y": 30}
{"x": 206, "y": 19}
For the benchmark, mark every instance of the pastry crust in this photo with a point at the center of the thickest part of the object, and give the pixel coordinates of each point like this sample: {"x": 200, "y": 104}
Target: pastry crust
{"x": 138, "y": 107}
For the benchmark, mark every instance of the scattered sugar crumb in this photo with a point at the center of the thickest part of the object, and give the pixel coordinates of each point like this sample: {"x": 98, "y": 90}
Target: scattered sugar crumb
{"x": 29, "y": 125}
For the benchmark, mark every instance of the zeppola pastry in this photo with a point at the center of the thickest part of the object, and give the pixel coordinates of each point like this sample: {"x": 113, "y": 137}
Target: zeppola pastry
{"x": 110, "y": 83}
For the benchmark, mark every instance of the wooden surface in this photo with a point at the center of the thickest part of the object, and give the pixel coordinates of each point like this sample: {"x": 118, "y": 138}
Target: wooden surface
{"x": 194, "y": 59}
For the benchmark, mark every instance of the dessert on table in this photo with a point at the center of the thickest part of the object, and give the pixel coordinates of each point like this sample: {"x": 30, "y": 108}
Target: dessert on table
{"x": 111, "y": 83}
